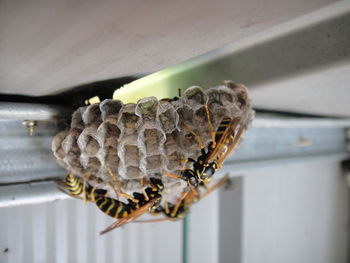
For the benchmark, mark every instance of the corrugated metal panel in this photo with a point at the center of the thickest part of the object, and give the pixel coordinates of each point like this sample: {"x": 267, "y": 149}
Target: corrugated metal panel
{"x": 27, "y": 158}
{"x": 280, "y": 213}
{"x": 204, "y": 230}
{"x": 293, "y": 212}
{"x": 67, "y": 231}
{"x": 287, "y": 213}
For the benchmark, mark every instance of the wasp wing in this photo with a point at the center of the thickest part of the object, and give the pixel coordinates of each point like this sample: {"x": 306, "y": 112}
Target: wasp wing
{"x": 192, "y": 196}
{"x": 131, "y": 217}
{"x": 61, "y": 184}
{"x": 232, "y": 145}
{"x": 156, "y": 220}
{"x": 224, "y": 139}
{"x": 219, "y": 184}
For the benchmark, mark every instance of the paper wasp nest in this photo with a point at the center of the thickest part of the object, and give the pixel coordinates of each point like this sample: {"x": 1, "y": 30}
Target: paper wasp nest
{"x": 149, "y": 137}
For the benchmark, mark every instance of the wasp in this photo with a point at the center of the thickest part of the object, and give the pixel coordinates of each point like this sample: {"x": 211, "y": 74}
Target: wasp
{"x": 127, "y": 212}
{"x": 224, "y": 140}
{"x": 178, "y": 211}
{"x": 137, "y": 205}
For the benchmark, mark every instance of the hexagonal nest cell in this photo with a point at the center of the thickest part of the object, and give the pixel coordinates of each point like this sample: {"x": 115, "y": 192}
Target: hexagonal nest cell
{"x": 144, "y": 139}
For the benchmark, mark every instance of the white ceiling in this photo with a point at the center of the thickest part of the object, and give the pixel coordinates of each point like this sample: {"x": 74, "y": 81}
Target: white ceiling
{"x": 49, "y": 46}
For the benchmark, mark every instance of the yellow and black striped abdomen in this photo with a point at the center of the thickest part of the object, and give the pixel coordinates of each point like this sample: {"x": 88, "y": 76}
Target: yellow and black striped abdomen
{"x": 74, "y": 185}
{"x": 112, "y": 207}
{"x": 222, "y": 128}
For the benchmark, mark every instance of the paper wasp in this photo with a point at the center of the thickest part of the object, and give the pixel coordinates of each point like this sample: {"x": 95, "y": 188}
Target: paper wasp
{"x": 137, "y": 205}
{"x": 178, "y": 211}
{"x": 224, "y": 140}
{"x": 132, "y": 210}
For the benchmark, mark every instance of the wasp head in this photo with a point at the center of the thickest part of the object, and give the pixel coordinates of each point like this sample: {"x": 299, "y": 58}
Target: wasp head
{"x": 209, "y": 170}
{"x": 157, "y": 183}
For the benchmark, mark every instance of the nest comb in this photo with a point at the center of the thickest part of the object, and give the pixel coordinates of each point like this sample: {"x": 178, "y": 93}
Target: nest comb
{"x": 144, "y": 139}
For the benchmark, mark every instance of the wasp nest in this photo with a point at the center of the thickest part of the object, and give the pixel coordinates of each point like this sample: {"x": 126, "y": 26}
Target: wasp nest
{"x": 147, "y": 138}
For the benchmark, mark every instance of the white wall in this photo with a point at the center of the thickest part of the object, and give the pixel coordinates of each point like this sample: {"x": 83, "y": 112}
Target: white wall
{"x": 289, "y": 213}
{"x": 67, "y": 231}
{"x": 296, "y": 212}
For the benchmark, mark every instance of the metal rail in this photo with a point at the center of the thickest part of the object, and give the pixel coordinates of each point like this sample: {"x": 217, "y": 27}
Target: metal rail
{"x": 32, "y": 111}
{"x": 27, "y": 161}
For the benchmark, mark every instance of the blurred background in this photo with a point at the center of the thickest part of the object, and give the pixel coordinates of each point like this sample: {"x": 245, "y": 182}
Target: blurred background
{"x": 289, "y": 197}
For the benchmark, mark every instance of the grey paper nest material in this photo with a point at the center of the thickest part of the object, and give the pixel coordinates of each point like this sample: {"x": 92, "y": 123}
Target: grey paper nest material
{"x": 147, "y": 138}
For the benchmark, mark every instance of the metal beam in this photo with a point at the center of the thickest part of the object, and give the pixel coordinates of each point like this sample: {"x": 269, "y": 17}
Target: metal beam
{"x": 32, "y": 111}
{"x": 29, "y": 193}
{"x": 272, "y": 139}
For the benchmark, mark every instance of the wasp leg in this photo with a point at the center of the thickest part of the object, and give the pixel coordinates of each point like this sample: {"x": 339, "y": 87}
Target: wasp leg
{"x": 171, "y": 175}
{"x": 143, "y": 190}
{"x": 212, "y": 131}
{"x": 116, "y": 187}
{"x": 128, "y": 197}
{"x": 176, "y": 208}
{"x": 167, "y": 208}
{"x": 219, "y": 184}
{"x": 84, "y": 191}
{"x": 198, "y": 138}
